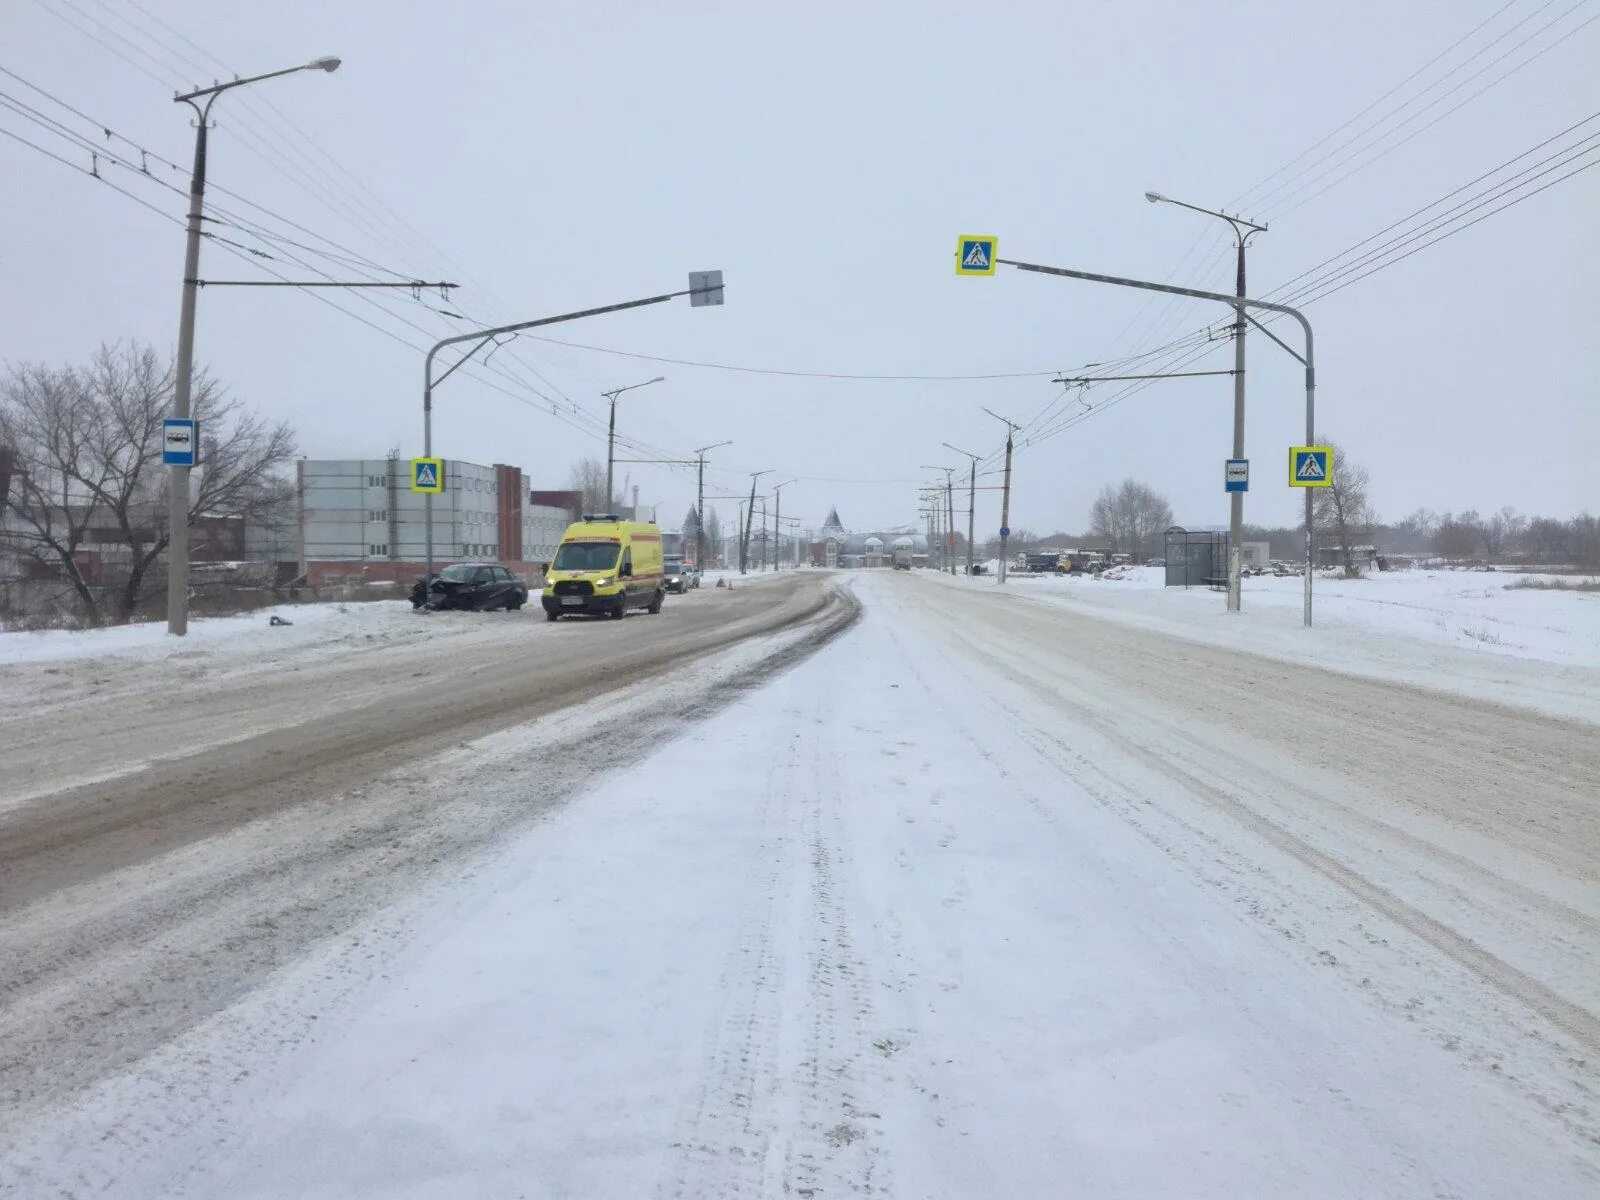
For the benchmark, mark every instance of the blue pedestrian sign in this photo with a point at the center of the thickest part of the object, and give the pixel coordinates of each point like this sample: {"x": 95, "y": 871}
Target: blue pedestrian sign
{"x": 1310, "y": 466}
{"x": 180, "y": 441}
{"x": 1005, "y": 531}
{"x": 1236, "y": 475}
{"x": 975, "y": 254}
{"x": 427, "y": 475}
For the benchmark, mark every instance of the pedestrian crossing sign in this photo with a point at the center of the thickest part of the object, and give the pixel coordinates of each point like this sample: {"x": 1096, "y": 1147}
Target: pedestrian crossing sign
{"x": 975, "y": 254}
{"x": 427, "y": 475}
{"x": 1310, "y": 466}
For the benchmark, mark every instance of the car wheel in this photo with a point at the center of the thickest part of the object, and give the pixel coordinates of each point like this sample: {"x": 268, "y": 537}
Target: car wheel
{"x": 552, "y": 616}
{"x": 516, "y": 602}
{"x": 655, "y": 604}
{"x": 620, "y": 611}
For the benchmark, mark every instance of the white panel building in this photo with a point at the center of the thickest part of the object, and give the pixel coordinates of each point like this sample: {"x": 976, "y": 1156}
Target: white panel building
{"x": 363, "y": 513}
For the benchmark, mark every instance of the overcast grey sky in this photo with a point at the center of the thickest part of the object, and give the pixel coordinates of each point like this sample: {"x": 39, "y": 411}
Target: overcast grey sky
{"x": 551, "y": 157}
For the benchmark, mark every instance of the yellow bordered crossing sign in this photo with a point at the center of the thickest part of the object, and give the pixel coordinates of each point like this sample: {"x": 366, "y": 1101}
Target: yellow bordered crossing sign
{"x": 427, "y": 475}
{"x": 1310, "y": 466}
{"x": 975, "y": 254}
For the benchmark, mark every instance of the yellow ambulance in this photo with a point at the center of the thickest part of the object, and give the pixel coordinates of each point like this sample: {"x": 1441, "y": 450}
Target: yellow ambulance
{"x": 605, "y": 566}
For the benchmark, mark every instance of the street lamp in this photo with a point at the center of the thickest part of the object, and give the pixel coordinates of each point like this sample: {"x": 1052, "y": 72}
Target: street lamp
{"x": 1242, "y": 231}
{"x": 178, "y": 483}
{"x": 972, "y": 496}
{"x": 611, "y": 433}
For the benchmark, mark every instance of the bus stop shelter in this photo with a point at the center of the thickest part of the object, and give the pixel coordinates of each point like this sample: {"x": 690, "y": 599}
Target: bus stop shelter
{"x": 1197, "y": 556}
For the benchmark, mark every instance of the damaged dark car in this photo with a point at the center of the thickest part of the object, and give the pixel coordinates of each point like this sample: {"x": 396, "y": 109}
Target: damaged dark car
{"x": 469, "y": 587}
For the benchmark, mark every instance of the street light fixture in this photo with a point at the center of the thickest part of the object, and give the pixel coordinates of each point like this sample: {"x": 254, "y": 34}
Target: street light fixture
{"x": 1242, "y": 232}
{"x": 705, "y": 288}
{"x": 183, "y": 375}
{"x": 611, "y": 432}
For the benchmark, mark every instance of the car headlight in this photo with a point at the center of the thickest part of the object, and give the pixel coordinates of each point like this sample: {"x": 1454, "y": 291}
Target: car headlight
{"x": 605, "y": 582}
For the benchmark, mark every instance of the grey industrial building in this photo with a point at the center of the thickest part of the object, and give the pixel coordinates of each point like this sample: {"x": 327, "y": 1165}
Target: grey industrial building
{"x": 359, "y": 517}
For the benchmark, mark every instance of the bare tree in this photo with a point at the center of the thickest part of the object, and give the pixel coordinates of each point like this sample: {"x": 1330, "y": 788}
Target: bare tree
{"x": 1342, "y": 512}
{"x": 1456, "y": 537}
{"x": 1583, "y": 532}
{"x": 87, "y": 442}
{"x": 713, "y": 538}
{"x": 1129, "y": 517}
{"x": 588, "y": 479}
{"x": 1548, "y": 541}
{"x": 1499, "y": 530}
{"x": 1422, "y": 522}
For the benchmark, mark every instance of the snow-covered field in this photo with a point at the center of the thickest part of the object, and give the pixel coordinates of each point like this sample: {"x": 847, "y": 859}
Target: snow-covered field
{"x": 1456, "y": 630}
{"x": 975, "y": 902}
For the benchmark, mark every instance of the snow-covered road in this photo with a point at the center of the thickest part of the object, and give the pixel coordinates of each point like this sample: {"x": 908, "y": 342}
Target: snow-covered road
{"x": 983, "y": 899}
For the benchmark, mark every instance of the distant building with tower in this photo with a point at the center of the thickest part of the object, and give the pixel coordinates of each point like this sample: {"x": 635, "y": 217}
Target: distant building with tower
{"x": 835, "y": 546}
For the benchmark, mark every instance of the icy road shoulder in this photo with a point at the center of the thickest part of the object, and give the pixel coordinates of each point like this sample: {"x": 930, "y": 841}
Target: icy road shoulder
{"x": 941, "y": 911}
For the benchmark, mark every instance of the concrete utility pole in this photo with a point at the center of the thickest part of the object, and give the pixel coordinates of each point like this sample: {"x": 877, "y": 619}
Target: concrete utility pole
{"x": 972, "y": 497}
{"x": 1309, "y": 359}
{"x": 183, "y": 378}
{"x": 950, "y": 521}
{"x": 1005, "y": 495}
{"x": 1242, "y": 231}
{"x": 744, "y": 541}
{"x": 777, "y": 516}
{"x": 950, "y": 518}
{"x": 700, "y": 504}
{"x": 611, "y": 435}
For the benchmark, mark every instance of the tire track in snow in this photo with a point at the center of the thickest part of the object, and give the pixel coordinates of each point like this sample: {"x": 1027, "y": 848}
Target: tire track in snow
{"x": 1577, "y": 1024}
{"x": 783, "y": 1104}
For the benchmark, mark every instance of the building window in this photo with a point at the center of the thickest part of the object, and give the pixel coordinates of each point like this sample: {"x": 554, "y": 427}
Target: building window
{"x": 378, "y": 549}
{"x": 377, "y": 481}
{"x": 377, "y": 514}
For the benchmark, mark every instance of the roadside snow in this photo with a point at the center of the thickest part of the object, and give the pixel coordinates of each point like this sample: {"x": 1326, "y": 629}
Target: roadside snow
{"x": 1457, "y": 631}
{"x": 309, "y": 625}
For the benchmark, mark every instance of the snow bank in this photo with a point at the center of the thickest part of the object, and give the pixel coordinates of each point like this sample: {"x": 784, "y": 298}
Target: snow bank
{"x": 1455, "y": 630}
{"x": 240, "y": 634}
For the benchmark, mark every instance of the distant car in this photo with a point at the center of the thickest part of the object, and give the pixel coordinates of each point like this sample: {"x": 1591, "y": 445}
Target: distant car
{"x": 1156, "y": 562}
{"x": 679, "y": 577}
{"x": 469, "y": 587}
